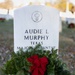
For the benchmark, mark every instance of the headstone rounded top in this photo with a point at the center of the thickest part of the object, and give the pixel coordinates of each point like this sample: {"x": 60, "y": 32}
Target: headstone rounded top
{"x": 36, "y": 6}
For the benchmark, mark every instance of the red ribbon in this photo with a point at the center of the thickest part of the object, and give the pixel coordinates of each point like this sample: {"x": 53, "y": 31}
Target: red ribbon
{"x": 38, "y": 65}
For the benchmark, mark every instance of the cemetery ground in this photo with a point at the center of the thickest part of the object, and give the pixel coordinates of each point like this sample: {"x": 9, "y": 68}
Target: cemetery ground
{"x": 66, "y": 44}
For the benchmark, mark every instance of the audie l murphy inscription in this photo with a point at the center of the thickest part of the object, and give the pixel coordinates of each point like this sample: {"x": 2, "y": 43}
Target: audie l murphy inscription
{"x": 38, "y": 35}
{"x": 35, "y": 34}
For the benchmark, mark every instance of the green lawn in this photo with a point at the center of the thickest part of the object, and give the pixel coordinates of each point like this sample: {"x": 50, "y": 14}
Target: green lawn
{"x": 67, "y": 46}
{"x": 6, "y": 33}
{"x": 67, "y": 37}
{"x": 6, "y": 28}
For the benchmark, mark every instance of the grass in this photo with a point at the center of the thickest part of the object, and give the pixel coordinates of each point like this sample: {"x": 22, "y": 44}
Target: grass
{"x": 67, "y": 46}
{"x": 6, "y": 39}
{"x": 67, "y": 37}
{"x": 6, "y": 33}
{"x": 6, "y": 28}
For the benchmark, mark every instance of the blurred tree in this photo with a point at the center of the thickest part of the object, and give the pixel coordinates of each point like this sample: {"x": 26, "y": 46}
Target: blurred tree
{"x": 8, "y": 4}
{"x": 48, "y": 4}
{"x": 62, "y": 4}
{"x": 70, "y": 6}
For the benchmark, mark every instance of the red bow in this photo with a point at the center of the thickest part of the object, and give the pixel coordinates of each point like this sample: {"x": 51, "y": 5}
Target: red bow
{"x": 38, "y": 65}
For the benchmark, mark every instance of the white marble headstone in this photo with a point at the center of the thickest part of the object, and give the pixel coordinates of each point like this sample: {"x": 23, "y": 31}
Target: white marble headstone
{"x": 36, "y": 24}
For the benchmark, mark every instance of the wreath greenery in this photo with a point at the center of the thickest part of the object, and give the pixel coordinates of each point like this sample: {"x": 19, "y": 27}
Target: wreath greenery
{"x": 19, "y": 65}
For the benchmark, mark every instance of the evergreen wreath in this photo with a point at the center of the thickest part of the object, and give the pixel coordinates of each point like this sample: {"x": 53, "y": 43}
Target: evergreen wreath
{"x": 26, "y": 63}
